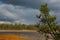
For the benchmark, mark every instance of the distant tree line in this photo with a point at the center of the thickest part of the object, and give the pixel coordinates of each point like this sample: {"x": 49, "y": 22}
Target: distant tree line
{"x": 44, "y": 28}
{"x": 17, "y": 27}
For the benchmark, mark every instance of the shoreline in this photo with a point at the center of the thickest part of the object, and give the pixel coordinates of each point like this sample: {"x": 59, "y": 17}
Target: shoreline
{"x": 18, "y": 31}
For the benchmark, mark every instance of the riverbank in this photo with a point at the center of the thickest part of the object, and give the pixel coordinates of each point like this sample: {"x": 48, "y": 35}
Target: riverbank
{"x": 18, "y": 31}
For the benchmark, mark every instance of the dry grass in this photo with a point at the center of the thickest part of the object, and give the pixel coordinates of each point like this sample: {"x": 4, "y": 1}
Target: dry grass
{"x": 12, "y": 37}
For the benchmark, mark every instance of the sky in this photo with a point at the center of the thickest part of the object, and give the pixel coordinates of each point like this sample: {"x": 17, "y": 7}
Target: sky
{"x": 25, "y": 11}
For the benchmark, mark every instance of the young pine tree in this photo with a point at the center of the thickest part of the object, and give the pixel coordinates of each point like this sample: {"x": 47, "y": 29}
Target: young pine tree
{"x": 48, "y": 21}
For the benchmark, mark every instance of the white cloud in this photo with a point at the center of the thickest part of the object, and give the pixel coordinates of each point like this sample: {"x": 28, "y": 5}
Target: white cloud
{"x": 5, "y": 12}
{"x": 5, "y": 22}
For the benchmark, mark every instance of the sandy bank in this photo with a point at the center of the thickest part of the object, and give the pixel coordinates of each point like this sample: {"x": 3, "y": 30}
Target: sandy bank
{"x": 18, "y": 31}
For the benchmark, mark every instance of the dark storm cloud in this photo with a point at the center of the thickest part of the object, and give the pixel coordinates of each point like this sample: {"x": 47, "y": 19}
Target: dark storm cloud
{"x": 27, "y": 3}
{"x": 53, "y": 4}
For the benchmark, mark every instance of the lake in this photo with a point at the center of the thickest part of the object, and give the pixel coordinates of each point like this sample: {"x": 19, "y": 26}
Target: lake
{"x": 25, "y": 34}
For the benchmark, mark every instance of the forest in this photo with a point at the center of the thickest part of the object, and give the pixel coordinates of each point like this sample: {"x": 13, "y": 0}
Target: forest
{"x": 17, "y": 27}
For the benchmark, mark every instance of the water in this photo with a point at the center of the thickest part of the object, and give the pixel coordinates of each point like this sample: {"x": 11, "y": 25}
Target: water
{"x": 25, "y": 34}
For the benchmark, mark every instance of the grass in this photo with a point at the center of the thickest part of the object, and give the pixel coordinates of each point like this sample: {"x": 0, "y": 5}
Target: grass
{"x": 12, "y": 37}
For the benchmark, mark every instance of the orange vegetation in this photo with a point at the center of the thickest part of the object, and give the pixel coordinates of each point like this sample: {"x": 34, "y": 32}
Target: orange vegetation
{"x": 12, "y": 37}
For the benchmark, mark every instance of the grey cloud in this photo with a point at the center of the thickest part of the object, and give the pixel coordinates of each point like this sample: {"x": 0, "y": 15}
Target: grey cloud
{"x": 26, "y": 10}
{"x": 18, "y": 14}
